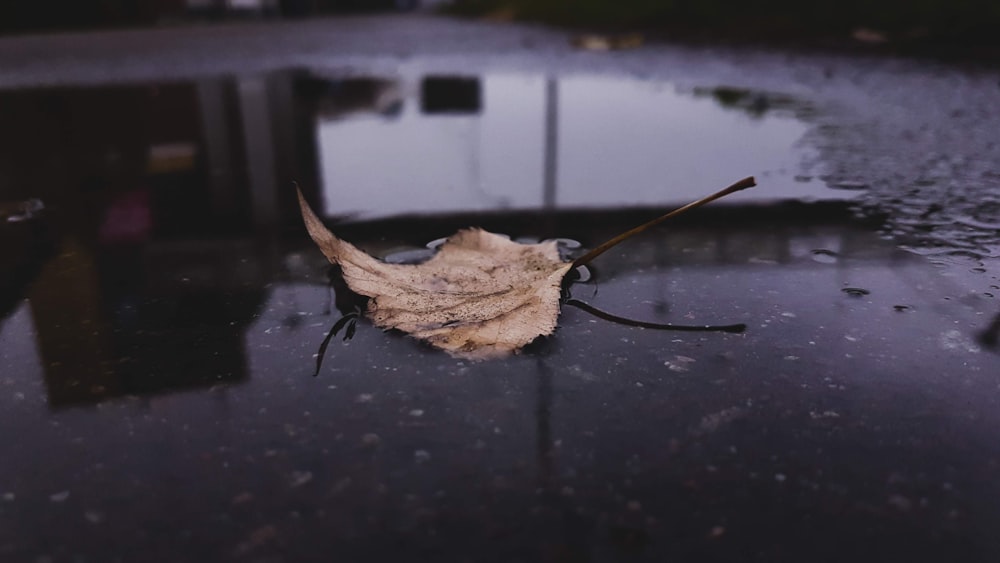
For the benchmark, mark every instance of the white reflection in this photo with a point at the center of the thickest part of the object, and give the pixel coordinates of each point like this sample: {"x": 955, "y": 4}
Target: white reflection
{"x": 20, "y": 362}
{"x": 631, "y": 142}
{"x": 372, "y": 165}
{"x": 619, "y": 142}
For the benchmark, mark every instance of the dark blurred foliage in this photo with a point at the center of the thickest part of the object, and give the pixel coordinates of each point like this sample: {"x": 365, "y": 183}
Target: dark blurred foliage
{"x": 946, "y": 21}
{"x": 961, "y": 21}
{"x": 48, "y": 15}
{"x": 18, "y": 17}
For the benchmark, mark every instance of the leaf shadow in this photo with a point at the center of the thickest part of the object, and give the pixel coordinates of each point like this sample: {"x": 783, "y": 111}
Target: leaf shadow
{"x": 604, "y": 315}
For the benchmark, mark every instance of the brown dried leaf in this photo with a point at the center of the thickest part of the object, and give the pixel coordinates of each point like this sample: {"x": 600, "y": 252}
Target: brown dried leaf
{"x": 481, "y": 296}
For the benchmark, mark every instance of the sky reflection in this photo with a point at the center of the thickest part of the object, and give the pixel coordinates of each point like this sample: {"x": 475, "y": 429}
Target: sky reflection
{"x": 568, "y": 142}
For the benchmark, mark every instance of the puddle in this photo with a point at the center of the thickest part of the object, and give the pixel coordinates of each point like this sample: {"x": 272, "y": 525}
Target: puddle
{"x": 150, "y": 200}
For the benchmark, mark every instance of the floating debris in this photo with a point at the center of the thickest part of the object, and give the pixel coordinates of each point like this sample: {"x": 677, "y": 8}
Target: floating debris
{"x": 824, "y": 256}
{"x": 848, "y": 185}
{"x": 855, "y": 291}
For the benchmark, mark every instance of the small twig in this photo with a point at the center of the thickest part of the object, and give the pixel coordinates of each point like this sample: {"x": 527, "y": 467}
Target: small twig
{"x": 588, "y": 257}
{"x": 734, "y": 328}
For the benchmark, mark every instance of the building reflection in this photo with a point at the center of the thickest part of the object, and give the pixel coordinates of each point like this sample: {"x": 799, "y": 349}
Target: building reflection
{"x": 149, "y": 260}
{"x": 524, "y": 141}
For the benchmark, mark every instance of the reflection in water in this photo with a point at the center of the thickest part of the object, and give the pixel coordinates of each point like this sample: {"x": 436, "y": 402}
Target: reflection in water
{"x": 141, "y": 320}
{"x": 451, "y": 95}
{"x": 437, "y": 162}
{"x": 155, "y": 194}
{"x": 525, "y": 141}
{"x": 991, "y": 336}
{"x": 756, "y": 104}
{"x": 139, "y": 274}
{"x": 341, "y": 98}
{"x": 733, "y": 328}
{"x": 543, "y": 426}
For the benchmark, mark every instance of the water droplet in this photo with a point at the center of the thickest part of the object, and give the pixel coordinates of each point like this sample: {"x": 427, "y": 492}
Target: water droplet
{"x": 855, "y": 291}
{"x": 567, "y": 243}
{"x": 581, "y": 274}
{"x": 408, "y": 256}
{"x": 436, "y": 243}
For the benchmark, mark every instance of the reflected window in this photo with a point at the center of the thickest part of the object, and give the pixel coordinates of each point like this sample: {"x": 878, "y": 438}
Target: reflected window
{"x": 340, "y": 98}
{"x": 451, "y": 95}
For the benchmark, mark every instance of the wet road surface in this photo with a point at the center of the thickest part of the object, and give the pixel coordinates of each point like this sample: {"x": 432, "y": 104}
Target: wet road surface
{"x": 162, "y": 313}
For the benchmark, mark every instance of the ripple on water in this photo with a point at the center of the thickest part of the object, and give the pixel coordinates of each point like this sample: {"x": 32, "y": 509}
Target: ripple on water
{"x": 977, "y": 224}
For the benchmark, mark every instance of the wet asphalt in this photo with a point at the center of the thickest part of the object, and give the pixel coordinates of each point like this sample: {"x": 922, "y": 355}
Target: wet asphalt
{"x": 158, "y": 405}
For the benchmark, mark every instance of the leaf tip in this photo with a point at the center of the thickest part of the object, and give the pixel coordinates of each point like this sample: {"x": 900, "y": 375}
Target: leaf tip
{"x": 317, "y": 230}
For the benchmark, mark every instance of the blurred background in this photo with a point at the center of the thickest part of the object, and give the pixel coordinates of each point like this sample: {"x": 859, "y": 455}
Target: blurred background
{"x": 939, "y": 22}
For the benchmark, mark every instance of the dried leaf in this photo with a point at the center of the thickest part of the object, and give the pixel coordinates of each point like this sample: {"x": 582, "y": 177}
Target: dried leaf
{"x": 481, "y": 296}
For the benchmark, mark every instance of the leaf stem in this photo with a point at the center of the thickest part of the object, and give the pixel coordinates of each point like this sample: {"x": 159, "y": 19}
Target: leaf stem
{"x": 588, "y": 257}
